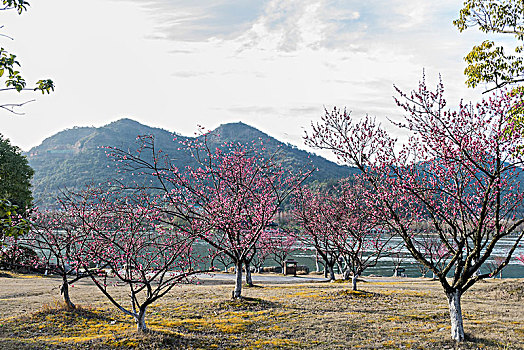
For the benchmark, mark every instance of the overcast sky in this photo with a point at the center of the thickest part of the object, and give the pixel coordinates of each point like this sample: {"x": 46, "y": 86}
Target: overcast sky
{"x": 272, "y": 64}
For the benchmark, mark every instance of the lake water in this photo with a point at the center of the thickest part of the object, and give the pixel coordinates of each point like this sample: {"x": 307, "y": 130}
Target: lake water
{"x": 385, "y": 266}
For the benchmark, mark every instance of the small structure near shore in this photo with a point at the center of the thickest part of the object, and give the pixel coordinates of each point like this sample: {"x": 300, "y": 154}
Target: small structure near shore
{"x": 290, "y": 267}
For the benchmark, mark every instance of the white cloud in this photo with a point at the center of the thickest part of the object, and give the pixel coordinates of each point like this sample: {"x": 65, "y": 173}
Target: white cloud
{"x": 272, "y": 64}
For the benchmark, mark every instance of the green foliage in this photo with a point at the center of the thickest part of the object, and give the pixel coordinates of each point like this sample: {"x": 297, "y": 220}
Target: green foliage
{"x": 9, "y": 65}
{"x": 15, "y": 176}
{"x": 18, "y": 5}
{"x": 517, "y": 112}
{"x": 516, "y": 115}
{"x": 488, "y": 63}
{"x": 11, "y": 224}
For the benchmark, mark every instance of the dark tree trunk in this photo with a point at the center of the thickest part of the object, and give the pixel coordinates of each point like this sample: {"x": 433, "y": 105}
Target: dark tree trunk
{"x": 331, "y": 273}
{"x": 249, "y": 279}
{"x": 64, "y": 290}
{"x": 347, "y": 274}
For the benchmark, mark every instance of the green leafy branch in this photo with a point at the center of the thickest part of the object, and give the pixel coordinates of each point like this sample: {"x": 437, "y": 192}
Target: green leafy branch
{"x": 9, "y": 66}
{"x": 11, "y": 223}
{"x": 488, "y": 63}
{"x": 18, "y": 5}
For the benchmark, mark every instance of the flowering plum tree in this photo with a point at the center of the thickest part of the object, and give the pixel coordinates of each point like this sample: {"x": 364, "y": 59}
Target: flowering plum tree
{"x": 227, "y": 200}
{"x": 342, "y": 223}
{"x": 256, "y": 257}
{"x": 459, "y": 172}
{"x": 364, "y": 241}
{"x": 321, "y": 224}
{"x": 433, "y": 249}
{"x": 125, "y": 240}
{"x": 275, "y": 243}
{"x": 280, "y": 244}
{"x": 15, "y": 256}
{"x": 56, "y": 237}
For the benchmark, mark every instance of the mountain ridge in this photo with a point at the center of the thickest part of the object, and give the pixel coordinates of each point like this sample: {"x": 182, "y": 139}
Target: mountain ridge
{"x": 74, "y": 157}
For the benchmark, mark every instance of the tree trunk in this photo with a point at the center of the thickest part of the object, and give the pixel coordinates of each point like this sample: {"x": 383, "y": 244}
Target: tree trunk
{"x": 64, "y": 290}
{"x": 140, "y": 320}
{"x": 237, "y": 293}
{"x": 340, "y": 268}
{"x": 331, "y": 273}
{"x": 249, "y": 279}
{"x": 317, "y": 266}
{"x": 347, "y": 274}
{"x": 455, "y": 314}
{"x": 354, "y": 279}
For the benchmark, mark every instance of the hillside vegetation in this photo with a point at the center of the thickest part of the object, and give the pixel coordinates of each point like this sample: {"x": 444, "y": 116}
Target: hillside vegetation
{"x": 74, "y": 157}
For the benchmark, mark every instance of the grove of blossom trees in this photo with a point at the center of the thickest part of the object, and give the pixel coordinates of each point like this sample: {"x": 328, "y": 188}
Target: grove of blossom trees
{"x": 459, "y": 172}
{"x": 117, "y": 238}
{"x": 452, "y": 192}
{"x": 341, "y": 224}
{"x": 56, "y": 237}
{"x": 228, "y": 200}
{"x": 123, "y": 235}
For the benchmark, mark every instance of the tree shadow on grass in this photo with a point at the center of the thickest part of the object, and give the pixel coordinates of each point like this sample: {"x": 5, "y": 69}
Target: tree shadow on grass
{"x": 470, "y": 342}
{"x": 247, "y": 304}
{"x": 53, "y": 321}
{"x": 132, "y": 340}
{"x": 55, "y": 326}
{"x": 80, "y": 312}
{"x": 355, "y": 294}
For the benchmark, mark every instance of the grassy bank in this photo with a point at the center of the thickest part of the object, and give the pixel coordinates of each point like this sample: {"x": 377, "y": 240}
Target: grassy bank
{"x": 405, "y": 313}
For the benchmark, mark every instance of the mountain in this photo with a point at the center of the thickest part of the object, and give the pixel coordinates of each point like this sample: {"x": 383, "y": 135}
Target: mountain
{"x": 74, "y": 157}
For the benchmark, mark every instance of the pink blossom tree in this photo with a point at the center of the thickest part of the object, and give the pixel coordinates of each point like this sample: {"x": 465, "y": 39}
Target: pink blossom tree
{"x": 321, "y": 225}
{"x": 257, "y": 256}
{"x": 55, "y": 236}
{"x": 125, "y": 239}
{"x": 459, "y": 171}
{"x": 433, "y": 249}
{"x": 261, "y": 252}
{"x": 281, "y": 243}
{"x": 497, "y": 261}
{"x": 364, "y": 241}
{"x": 16, "y": 256}
{"x": 227, "y": 200}
{"x": 342, "y": 224}
{"x": 220, "y": 258}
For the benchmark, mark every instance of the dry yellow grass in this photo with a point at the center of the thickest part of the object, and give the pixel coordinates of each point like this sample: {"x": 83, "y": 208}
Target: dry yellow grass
{"x": 396, "y": 314}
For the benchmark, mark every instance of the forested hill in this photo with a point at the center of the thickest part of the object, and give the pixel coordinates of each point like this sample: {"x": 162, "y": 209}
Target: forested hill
{"x": 74, "y": 157}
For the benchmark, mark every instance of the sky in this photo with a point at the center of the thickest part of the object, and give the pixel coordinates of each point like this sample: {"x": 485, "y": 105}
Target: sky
{"x": 272, "y": 64}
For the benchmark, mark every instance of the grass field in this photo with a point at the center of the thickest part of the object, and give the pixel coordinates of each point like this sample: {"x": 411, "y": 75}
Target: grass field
{"x": 395, "y": 314}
